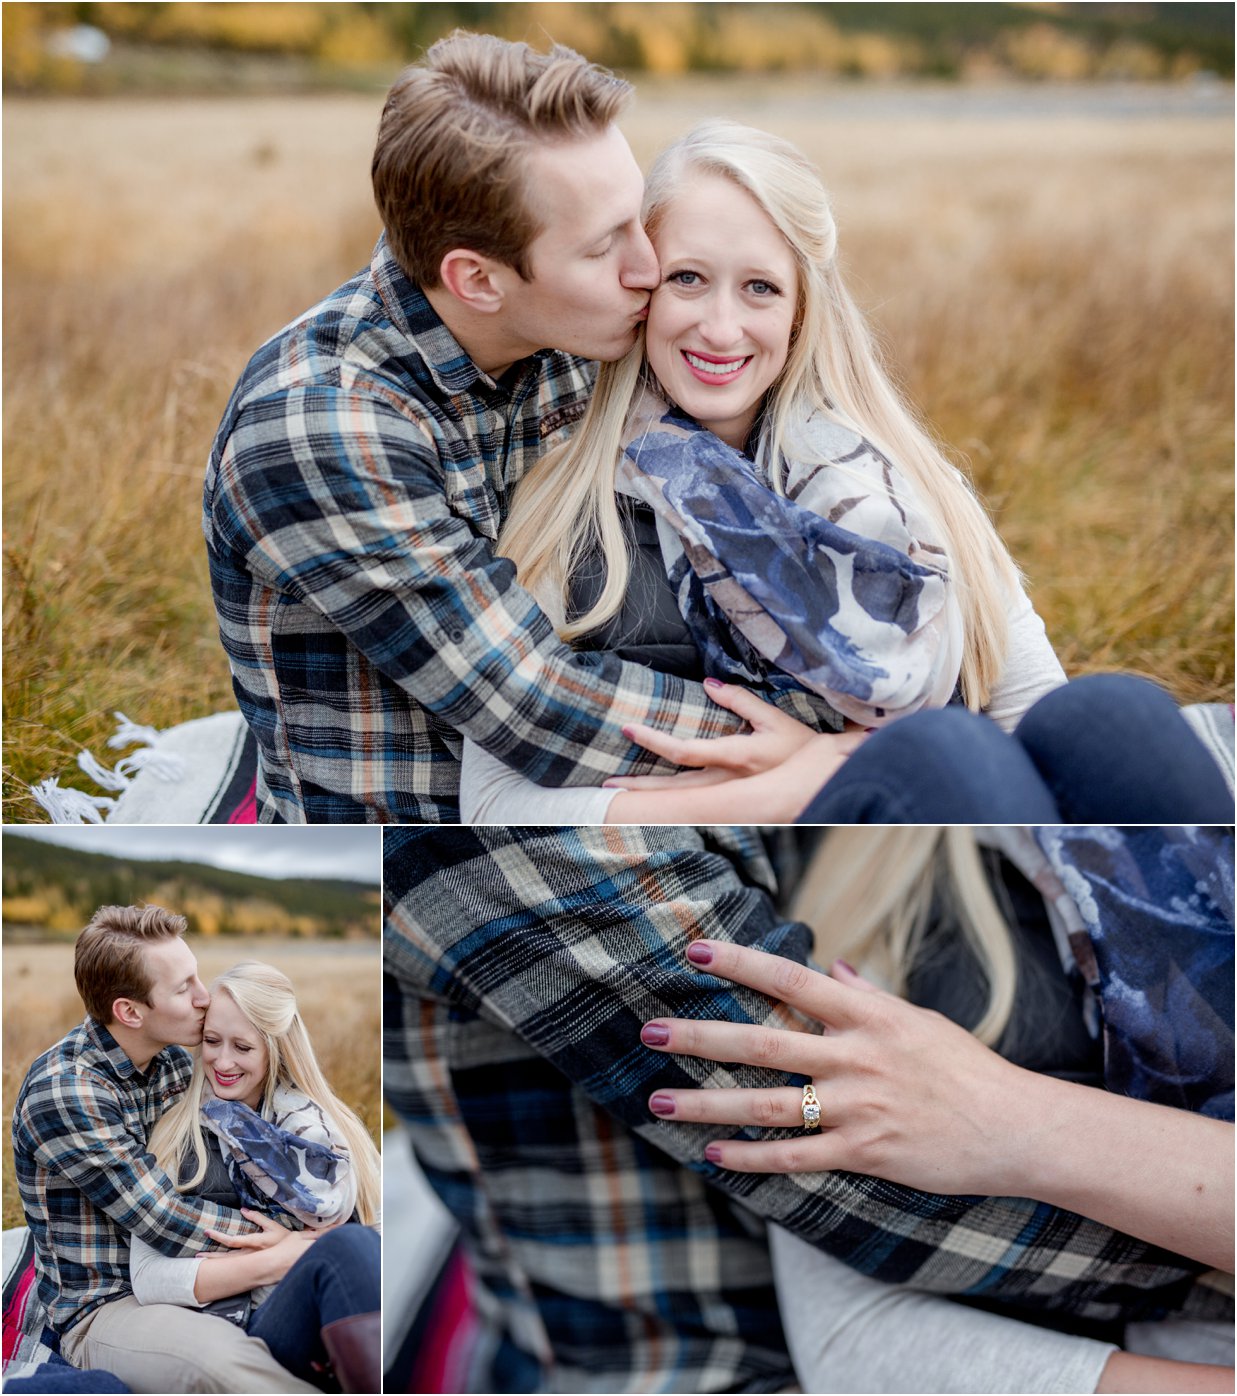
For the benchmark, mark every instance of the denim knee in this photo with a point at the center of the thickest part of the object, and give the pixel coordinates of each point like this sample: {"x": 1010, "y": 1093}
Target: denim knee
{"x": 945, "y": 766}
{"x": 353, "y": 1250}
{"x": 1115, "y": 749}
{"x": 1092, "y": 707}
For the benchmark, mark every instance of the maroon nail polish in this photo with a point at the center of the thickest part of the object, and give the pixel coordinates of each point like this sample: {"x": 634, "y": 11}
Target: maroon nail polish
{"x": 850, "y": 969}
{"x": 662, "y": 1105}
{"x": 712, "y": 683}
{"x": 713, "y": 1152}
{"x": 654, "y": 1035}
{"x": 699, "y": 953}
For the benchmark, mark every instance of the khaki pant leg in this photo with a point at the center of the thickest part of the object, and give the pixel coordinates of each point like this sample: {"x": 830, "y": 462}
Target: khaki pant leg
{"x": 164, "y": 1348}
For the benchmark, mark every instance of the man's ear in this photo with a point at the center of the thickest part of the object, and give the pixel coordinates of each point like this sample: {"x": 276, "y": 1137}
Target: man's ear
{"x": 129, "y": 1013}
{"x": 474, "y": 280}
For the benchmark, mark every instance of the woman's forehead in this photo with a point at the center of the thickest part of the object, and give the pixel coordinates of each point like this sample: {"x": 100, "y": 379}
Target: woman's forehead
{"x": 224, "y": 1014}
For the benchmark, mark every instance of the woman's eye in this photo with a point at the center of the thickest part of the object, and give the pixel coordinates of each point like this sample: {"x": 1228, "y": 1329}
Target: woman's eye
{"x": 763, "y": 288}
{"x": 684, "y": 278}
{"x": 211, "y": 1041}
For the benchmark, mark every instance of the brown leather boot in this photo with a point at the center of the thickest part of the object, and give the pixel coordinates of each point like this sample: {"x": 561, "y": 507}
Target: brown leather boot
{"x": 354, "y": 1345}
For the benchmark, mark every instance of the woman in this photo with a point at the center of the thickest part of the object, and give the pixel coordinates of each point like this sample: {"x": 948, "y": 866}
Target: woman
{"x": 260, "y": 1129}
{"x": 1123, "y": 981}
{"x": 843, "y": 555}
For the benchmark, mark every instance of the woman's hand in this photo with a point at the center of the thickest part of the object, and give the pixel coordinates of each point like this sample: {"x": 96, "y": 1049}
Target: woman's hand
{"x": 905, "y": 1094}
{"x": 269, "y": 1233}
{"x": 264, "y": 1259}
{"x": 909, "y": 1096}
{"x": 774, "y": 738}
{"x": 715, "y": 796}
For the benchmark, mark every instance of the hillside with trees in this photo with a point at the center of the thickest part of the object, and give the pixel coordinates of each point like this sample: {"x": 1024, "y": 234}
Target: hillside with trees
{"x": 51, "y": 889}
{"x": 170, "y": 47}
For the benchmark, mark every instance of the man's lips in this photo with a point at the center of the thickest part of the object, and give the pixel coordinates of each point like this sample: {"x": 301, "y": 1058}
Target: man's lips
{"x": 710, "y": 369}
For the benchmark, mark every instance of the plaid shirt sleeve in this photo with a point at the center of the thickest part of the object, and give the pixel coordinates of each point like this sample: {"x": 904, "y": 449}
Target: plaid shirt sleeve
{"x": 336, "y": 496}
{"x": 74, "y": 1126}
{"x": 573, "y": 938}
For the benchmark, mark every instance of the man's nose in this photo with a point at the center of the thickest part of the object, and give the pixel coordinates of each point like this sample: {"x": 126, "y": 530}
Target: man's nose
{"x": 641, "y": 272}
{"x": 201, "y": 995}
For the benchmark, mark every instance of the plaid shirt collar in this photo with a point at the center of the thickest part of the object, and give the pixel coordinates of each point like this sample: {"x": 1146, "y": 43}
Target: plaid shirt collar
{"x": 114, "y": 1055}
{"x": 449, "y": 363}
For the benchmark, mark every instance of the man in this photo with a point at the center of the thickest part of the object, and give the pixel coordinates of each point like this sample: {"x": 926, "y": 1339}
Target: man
{"x": 366, "y": 459}
{"x": 87, "y": 1184}
{"x": 609, "y": 1253}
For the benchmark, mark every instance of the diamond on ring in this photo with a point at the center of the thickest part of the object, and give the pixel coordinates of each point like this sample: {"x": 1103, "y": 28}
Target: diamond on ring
{"x": 811, "y": 1108}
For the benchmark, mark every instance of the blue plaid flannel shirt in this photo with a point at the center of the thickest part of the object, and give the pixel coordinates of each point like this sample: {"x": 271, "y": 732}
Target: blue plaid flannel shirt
{"x": 609, "y": 1254}
{"x": 86, "y": 1181}
{"x": 355, "y": 489}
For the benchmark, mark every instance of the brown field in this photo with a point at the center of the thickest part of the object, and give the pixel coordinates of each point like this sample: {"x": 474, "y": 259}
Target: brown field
{"x": 338, "y": 989}
{"x": 1055, "y": 291}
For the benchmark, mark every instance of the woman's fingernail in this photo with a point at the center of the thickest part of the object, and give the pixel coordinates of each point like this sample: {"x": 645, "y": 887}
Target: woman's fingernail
{"x": 850, "y": 969}
{"x": 662, "y": 1105}
{"x": 699, "y": 953}
{"x": 713, "y": 1152}
{"x": 654, "y": 1035}
{"x": 713, "y": 683}
{"x": 612, "y": 785}
{"x": 629, "y": 734}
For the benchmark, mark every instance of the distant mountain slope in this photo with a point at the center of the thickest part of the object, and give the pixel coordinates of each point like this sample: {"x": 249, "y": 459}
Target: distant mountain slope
{"x": 283, "y": 47}
{"x": 57, "y": 889}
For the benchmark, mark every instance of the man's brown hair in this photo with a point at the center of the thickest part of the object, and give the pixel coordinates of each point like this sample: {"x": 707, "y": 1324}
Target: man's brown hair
{"x": 109, "y": 962}
{"x": 449, "y": 165}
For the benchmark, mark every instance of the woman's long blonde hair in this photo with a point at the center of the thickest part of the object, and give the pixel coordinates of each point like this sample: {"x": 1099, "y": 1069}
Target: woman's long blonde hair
{"x": 566, "y": 507}
{"x": 266, "y": 997}
{"x": 868, "y": 892}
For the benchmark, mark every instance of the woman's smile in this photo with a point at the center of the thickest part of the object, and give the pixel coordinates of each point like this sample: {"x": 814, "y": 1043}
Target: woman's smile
{"x": 709, "y": 369}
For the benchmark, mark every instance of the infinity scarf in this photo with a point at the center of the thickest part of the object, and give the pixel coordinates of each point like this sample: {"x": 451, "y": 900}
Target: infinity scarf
{"x": 838, "y": 584}
{"x": 1145, "y": 915}
{"x": 281, "y": 1165}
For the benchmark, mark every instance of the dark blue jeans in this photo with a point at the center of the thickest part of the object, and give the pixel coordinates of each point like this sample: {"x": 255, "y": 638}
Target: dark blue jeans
{"x": 337, "y": 1277}
{"x": 58, "y": 1377}
{"x": 1106, "y": 749}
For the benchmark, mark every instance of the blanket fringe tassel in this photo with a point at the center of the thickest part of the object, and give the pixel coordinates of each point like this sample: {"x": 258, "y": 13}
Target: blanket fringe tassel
{"x": 66, "y": 805}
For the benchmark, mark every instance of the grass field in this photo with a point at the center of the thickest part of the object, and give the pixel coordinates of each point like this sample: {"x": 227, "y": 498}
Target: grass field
{"x": 338, "y": 990}
{"x": 1056, "y": 292}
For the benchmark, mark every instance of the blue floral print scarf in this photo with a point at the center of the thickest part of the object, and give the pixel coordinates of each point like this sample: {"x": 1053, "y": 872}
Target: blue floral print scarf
{"x": 296, "y": 1163}
{"x": 838, "y": 584}
{"x": 1146, "y": 917}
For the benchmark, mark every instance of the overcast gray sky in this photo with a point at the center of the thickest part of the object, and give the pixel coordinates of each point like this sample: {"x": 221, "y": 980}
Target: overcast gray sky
{"x": 266, "y": 850}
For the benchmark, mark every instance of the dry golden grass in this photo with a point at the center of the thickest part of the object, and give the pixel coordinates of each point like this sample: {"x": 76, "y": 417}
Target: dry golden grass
{"x": 338, "y": 989}
{"x": 1056, "y": 295}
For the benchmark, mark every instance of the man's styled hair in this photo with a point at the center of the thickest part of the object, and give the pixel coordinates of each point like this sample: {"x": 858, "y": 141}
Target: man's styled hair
{"x": 109, "y": 961}
{"x": 453, "y": 142}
